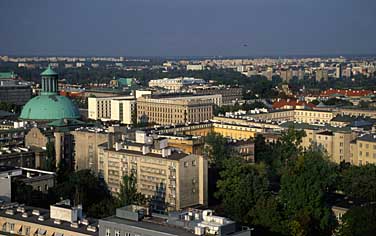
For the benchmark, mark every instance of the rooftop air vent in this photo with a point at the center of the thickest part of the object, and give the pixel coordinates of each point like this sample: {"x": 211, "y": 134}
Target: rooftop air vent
{"x": 74, "y": 225}
{"x": 36, "y": 212}
{"x": 9, "y": 212}
{"x": 91, "y": 228}
{"x": 25, "y": 215}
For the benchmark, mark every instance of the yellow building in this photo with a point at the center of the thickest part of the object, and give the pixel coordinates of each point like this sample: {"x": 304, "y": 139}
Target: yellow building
{"x": 233, "y": 131}
{"x": 332, "y": 140}
{"x": 187, "y": 143}
{"x": 228, "y": 130}
{"x": 363, "y": 150}
{"x": 298, "y": 115}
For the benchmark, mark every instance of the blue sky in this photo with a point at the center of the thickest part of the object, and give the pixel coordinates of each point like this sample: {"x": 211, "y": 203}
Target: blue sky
{"x": 187, "y": 27}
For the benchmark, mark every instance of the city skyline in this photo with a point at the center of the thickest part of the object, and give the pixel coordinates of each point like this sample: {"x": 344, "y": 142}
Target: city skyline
{"x": 187, "y": 29}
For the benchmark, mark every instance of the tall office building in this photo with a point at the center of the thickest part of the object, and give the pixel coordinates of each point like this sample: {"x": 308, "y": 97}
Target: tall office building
{"x": 171, "y": 179}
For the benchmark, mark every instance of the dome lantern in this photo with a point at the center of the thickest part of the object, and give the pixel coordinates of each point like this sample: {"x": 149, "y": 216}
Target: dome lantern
{"x": 49, "y": 82}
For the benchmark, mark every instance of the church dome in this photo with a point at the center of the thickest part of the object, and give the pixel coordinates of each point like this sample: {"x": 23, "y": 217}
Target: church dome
{"x": 49, "y": 105}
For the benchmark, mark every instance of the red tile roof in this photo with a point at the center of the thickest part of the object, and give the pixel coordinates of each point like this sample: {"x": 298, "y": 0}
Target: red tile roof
{"x": 346, "y": 92}
{"x": 291, "y": 103}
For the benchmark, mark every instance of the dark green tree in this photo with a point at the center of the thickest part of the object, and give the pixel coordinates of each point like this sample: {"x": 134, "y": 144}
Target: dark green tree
{"x": 83, "y": 187}
{"x": 277, "y": 155}
{"x": 25, "y": 194}
{"x": 305, "y": 184}
{"x": 128, "y": 192}
{"x": 215, "y": 149}
{"x": 63, "y": 172}
{"x": 359, "y": 221}
{"x": 268, "y": 213}
{"x": 241, "y": 184}
{"x": 359, "y": 182}
{"x": 50, "y": 163}
{"x": 103, "y": 208}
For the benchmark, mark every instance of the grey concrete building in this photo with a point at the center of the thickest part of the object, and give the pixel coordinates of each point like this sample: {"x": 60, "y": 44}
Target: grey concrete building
{"x": 14, "y": 92}
{"x": 137, "y": 221}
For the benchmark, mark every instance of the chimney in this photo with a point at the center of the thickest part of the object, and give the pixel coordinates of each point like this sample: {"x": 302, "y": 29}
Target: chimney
{"x": 111, "y": 139}
{"x": 117, "y": 146}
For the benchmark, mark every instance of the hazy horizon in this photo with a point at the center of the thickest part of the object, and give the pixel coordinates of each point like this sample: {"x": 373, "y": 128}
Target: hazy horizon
{"x": 195, "y": 28}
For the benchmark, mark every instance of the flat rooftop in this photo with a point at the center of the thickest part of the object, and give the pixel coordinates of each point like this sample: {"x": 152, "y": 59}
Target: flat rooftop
{"x": 149, "y": 223}
{"x": 47, "y": 220}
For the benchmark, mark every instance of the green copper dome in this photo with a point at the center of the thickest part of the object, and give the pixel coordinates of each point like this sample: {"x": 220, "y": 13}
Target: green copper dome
{"x": 49, "y": 107}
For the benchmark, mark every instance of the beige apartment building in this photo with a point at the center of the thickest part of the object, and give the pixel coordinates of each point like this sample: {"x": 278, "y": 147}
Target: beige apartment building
{"x": 355, "y": 112}
{"x": 85, "y": 148}
{"x": 298, "y": 115}
{"x": 313, "y": 116}
{"x": 171, "y": 179}
{"x": 174, "y": 110}
{"x": 363, "y": 150}
{"x": 334, "y": 141}
{"x": 87, "y": 140}
{"x": 112, "y": 108}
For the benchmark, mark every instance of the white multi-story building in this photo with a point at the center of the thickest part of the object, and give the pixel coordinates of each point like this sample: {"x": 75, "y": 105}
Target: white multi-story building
{"x": 123, "y": 110}
{"x": 175, "y": 84}
{"x": 112, "y": 108}
{"x": 195, "y": 67}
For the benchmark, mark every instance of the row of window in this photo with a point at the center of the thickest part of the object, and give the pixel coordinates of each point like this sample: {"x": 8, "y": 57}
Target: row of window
{"x": 367, "y": 145}
{"x": 117, "y": 233}
{"x": 366, "y": 154}
{"x": 10, "y": 227}
{"x": 186, "y": 163}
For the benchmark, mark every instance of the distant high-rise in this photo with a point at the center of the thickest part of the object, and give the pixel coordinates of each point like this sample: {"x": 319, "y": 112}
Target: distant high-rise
{"x": 321, "y": 75}
{"x": 347, "y": 72}
{"x": 286, "y": 75}
{"x": 339, "y": 71}
{"x": 301, "y": 74}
